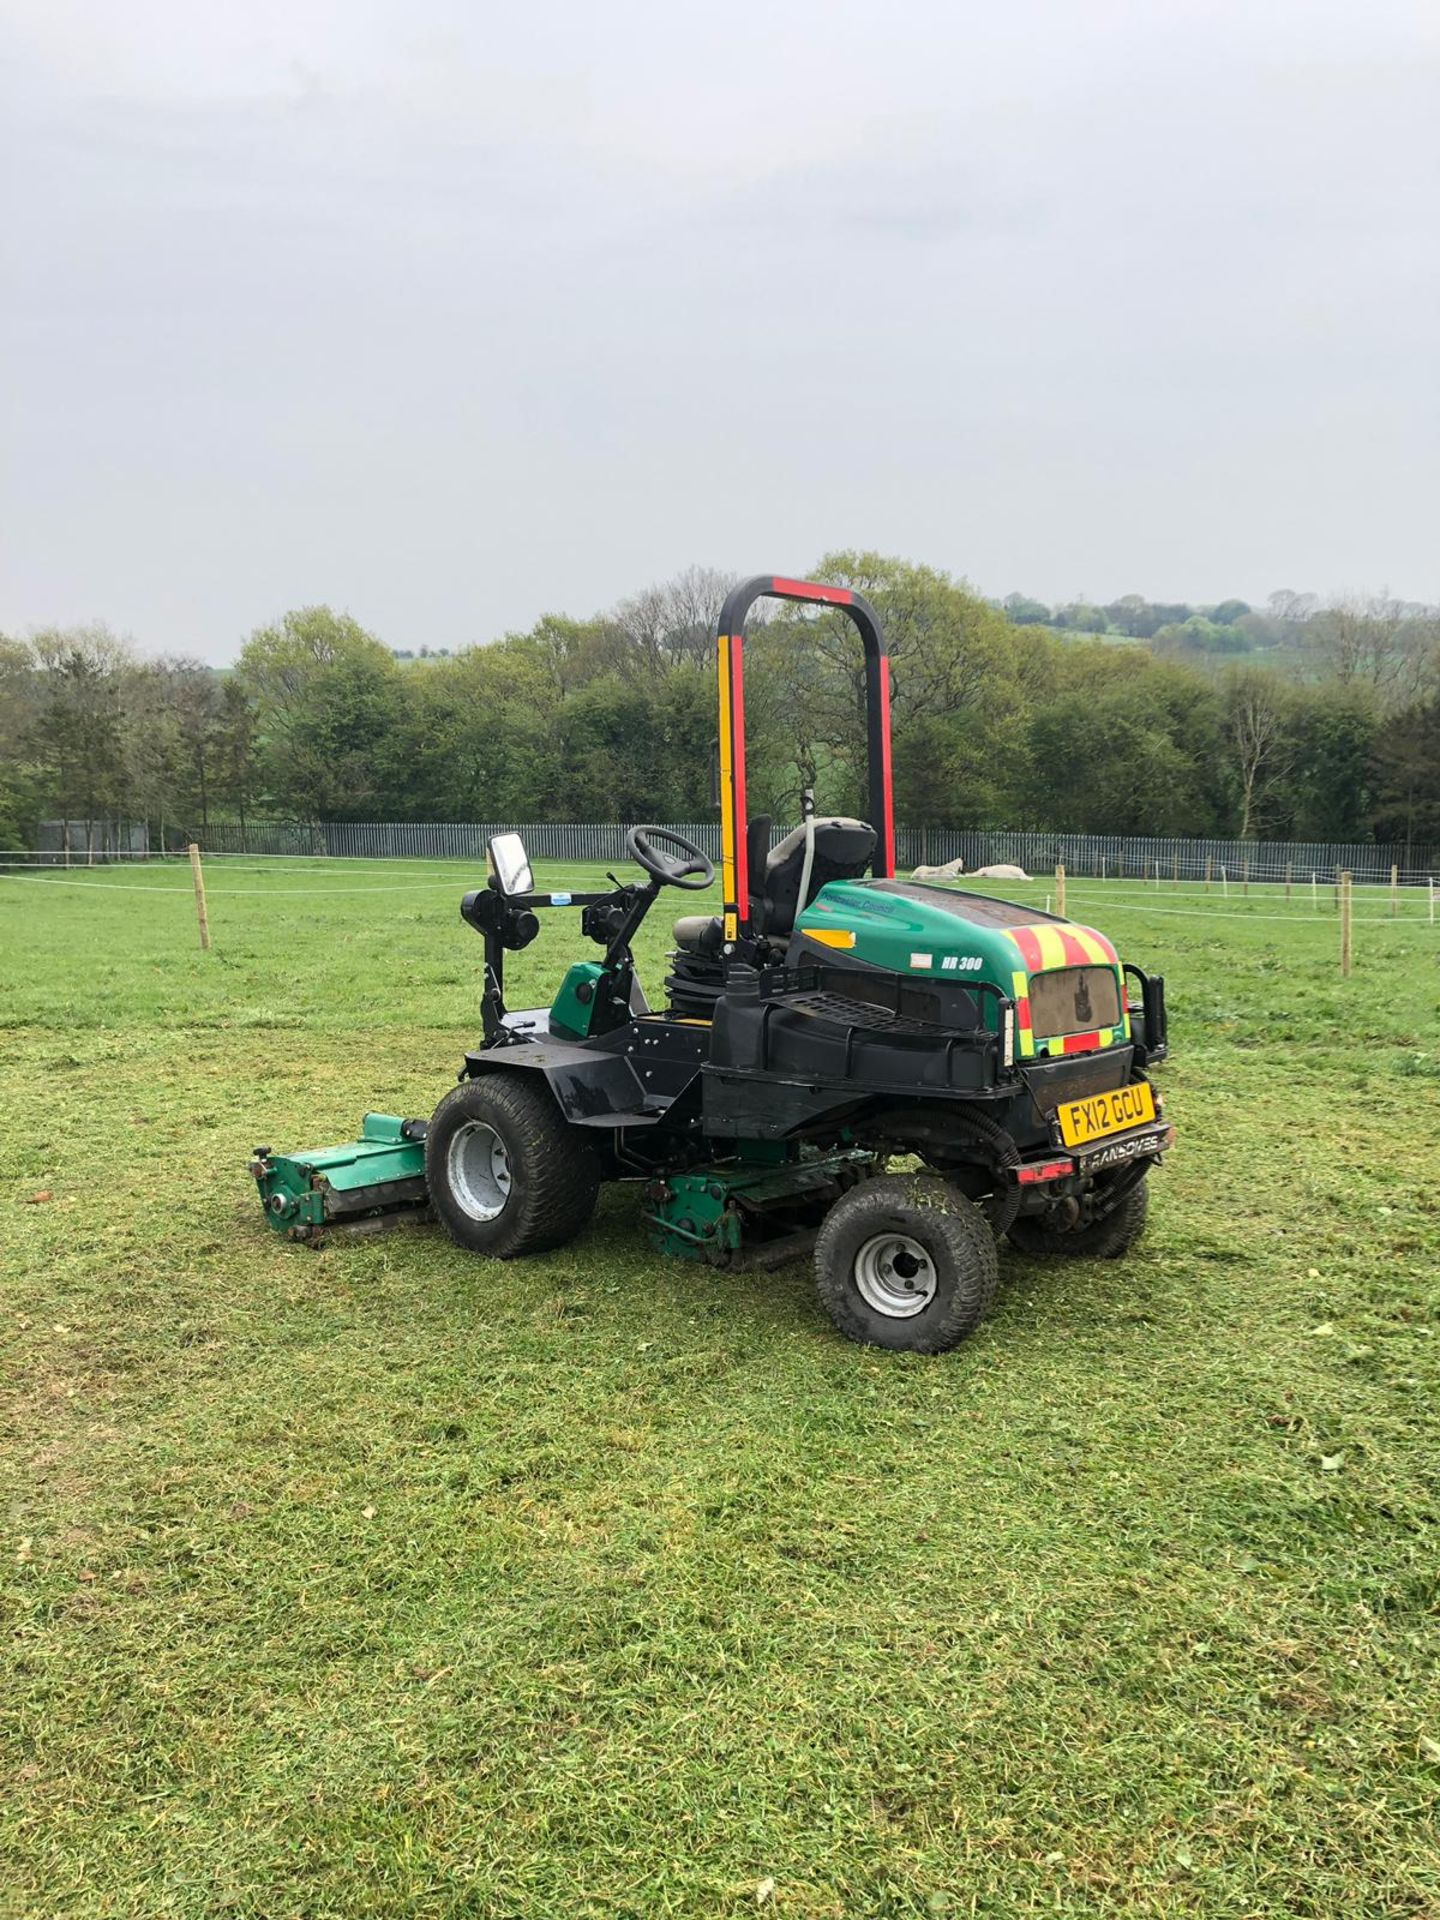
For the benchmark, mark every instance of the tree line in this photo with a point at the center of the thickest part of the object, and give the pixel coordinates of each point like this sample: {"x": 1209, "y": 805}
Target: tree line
{"x": 999, "y": 719}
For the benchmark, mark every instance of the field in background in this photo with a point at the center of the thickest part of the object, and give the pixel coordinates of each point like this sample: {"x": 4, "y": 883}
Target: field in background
{"x": 382, "y": 1581}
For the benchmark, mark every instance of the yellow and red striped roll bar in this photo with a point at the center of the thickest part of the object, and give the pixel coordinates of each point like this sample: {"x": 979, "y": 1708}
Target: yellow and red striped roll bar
{"x": 734, "y": 818}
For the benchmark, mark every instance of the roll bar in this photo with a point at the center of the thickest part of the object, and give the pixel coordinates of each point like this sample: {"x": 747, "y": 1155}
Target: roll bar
{"x": 734, "y": 818}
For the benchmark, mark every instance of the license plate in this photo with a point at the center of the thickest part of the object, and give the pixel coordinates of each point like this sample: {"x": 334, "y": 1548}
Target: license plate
{"x": 1105, "y": 1113}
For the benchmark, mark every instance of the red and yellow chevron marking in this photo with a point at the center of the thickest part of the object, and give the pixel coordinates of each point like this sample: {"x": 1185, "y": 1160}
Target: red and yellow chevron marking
{"x": 1046, "y": 947}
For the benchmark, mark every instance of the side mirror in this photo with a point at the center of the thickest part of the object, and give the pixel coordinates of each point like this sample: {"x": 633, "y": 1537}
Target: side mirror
{"x": 510, "y": 864}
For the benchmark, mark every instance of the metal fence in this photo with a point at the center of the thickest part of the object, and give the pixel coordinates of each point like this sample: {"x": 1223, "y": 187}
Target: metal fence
{"x": 1113, "y": 856}
{"x": 92, "y": 840}
{"x": 1130, "y": 857}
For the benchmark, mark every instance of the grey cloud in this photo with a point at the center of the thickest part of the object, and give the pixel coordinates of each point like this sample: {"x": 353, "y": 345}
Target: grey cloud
{"x": 454, "y": 315}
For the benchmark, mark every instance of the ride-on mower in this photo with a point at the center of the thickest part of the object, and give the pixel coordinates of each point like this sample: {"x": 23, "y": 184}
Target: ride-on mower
{"x": 829, "y": 1019}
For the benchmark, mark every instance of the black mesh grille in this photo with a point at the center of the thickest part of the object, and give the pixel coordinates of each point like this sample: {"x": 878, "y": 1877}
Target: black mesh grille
{"x": 846, "y": 1012}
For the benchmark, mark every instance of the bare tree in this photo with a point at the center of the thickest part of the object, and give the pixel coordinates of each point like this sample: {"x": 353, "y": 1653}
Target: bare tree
{"x": 673, "y": 623}
{"x": 1257, "y": 725}
{"x": 1377, "y": 641}
{"x": 1291, "y": 608}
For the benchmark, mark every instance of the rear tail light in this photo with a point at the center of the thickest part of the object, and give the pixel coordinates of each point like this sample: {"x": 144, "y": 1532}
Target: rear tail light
{"x": 1035, "y": 1172}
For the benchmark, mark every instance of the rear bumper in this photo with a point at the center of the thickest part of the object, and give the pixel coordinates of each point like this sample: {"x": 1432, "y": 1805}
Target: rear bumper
{"x": 1061, "y": 1165}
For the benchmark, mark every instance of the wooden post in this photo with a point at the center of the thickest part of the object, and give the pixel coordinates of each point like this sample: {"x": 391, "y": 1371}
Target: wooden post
{"x": 201, "y": 915}
{"x": 1209, "y": 867}
{"x": 1289, "y": 874}
{"x": 1394, "y": 891}
{"x": 1060, "y": 888}
{"x": 1102, "y": 866}
{"x": 1314, "y": 891}
{"x": 1345, "y": 925}
{"x": 1432, "y": 899}
{"x": 1224, "y": 881}
{"x": 1175, "y": 868}
{"x": 1246, "y": 874}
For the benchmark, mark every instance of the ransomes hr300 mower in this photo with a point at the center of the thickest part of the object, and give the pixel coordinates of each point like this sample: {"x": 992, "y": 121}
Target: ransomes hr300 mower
{"x": 829, "y": 1019}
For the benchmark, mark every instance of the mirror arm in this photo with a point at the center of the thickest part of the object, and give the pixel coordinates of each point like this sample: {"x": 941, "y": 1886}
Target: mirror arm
{"x": 484, "y": 910}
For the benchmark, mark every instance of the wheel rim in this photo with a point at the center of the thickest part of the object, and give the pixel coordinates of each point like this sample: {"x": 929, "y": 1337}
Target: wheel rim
{"x": 895, "y": 1275}
{"x": 479, "y": 1170}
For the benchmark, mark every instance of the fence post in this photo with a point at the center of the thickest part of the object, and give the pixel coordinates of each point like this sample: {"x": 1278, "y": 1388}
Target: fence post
{"x": 1224, "y": 882}
{"x": 1175, "y": 867}
{"x": 1345, "y": 925}
{"x": 1060, "y": 890}
{"x": 1432, "y": 899}
{"x": 1314, "y": 891}
{"x": 201, "y": 915}
{"x": 1394, "y": 890}
{"x": 1209, "y": 865}
{"x": 1246, "y": 875}
{"x": 1288, "y": 873}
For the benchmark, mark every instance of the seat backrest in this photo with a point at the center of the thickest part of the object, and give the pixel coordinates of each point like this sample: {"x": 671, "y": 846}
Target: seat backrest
{"x": 842, "y": 851}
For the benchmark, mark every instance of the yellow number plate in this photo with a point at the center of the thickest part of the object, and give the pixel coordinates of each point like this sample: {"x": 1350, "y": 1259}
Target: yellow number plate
{"x": 1105, "y": 1113}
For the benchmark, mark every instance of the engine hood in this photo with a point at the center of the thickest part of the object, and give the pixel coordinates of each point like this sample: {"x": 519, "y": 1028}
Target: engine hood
{"x": 923, "y": 931}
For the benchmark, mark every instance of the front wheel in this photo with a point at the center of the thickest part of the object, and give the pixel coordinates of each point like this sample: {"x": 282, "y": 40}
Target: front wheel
{"x": 1107, "y": 1239}
{"x": 906, "y": 1261}
{"x": 506, "y": 1174}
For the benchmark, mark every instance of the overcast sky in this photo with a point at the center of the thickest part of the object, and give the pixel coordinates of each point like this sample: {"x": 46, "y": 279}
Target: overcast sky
{"x": 451, "y": 315}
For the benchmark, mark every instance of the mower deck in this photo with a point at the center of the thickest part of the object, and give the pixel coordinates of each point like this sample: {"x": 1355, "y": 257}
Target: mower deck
{"x": 373, "y": 1182}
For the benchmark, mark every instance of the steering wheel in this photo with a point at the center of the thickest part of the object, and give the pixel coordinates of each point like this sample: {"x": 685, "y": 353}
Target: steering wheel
{"x": 692, "y": 875}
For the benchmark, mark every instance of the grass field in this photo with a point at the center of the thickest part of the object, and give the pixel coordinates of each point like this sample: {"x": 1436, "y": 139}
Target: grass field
{"x": 381, "y": 1581}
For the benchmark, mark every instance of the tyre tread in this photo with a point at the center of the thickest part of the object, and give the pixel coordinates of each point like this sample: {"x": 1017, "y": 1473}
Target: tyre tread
{"x": 556, "y": 1176}
{"x": 928, "y": 1201}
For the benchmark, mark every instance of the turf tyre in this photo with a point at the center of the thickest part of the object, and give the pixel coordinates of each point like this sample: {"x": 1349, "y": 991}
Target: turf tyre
{"x": 553, "y": 1176}
{"x": 1107, "y": 1239}
{"x": 951, "y": 1245}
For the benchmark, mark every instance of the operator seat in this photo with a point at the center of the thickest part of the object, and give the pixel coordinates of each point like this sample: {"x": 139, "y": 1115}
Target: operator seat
{"x": 841, "y": 849}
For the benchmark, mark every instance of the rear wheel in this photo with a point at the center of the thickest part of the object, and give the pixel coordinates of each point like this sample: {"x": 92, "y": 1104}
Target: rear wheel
{"x": 1107, "y": 1239}
{"x": 506, "y": 1174}
{"x": 906, "y": 1261}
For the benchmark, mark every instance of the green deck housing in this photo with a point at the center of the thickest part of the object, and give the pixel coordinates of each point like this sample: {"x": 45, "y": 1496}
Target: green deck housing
{"x": 379, "y": 1175}
{"x": 767, "y": 1199}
